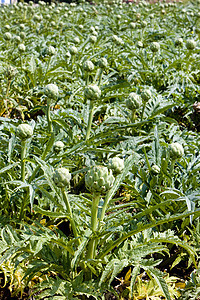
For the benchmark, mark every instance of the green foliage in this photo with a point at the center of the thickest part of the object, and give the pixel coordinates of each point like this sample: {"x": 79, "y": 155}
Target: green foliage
{"x": 69, "y": 80}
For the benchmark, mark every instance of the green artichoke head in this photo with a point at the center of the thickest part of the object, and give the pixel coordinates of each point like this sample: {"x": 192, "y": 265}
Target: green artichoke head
{"x": 58, "y": 146}
{"x": 176, "y": 151}
{"x": 99, "y": 179}
{"x": 24, "y": 131}
{"x": 62, "y": 177}
{"x": 51, "y": 91}
{"x": 116, "y": 164}
{"x": 133, "y": 101}
{"x": 92, "y": 92}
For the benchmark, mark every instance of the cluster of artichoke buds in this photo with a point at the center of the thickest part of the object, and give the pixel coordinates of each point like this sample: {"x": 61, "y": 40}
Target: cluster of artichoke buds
{"x": 99, "y": 179}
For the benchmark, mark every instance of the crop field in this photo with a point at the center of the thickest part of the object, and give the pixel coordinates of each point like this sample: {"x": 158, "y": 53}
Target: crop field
{"x": 99, "y": 151}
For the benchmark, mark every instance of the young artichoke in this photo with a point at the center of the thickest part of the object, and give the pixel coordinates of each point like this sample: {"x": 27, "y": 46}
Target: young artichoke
{"x": 21, "y": 47}
{"x": 58, "y": 146}
{"x": 155, "y": 170}
{"x": 155, "y": 47}
{"x": 116, "y": 164}
{"x": 133, "y": 101}
{"x": 92, "y": 92}
{"x": 99, "y": 179}
{"x": 24, "y": 131}
{"x": 61, "y": 177}
{"x": 191, "y": 44}
{"x": 146, "y": 95}
{"x": 7, "y": 36}
{"x": 73, "y": 50}
{"x": 88, "y": 66}
{"x": 51, "y": 91}
{"x": 176, "y": 151}
{"x": 102, "y": 63}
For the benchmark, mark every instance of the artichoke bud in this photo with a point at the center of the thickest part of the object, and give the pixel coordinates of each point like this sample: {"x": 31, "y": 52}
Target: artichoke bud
{"x": 176, "y": 151}
{"x": 88, "y": 66}
{"x": 73, "y": 50}
{"x": 116, "y": 164}
{"x": 179, "y": 42}
{"x": 7, "y": 36}
{"x": 24, "y": 131}
{"x": 49, "y": 51}
{"x": 155, "y": 170}
{"x": 155, "y": 47}
{"x": 102, "y": 63}
{"x": 51, "y": 91}
{"x": 92, "y": 92}
{"x": 10, "y": 72}
{"x": 21, "y": 47}
{"x": 99, "y": 179}
{"x": 146, "y": 95}
{"x": 133, "y": 101}
{"x": 191, "y": 44}
{"x": 92, "y": 39}
{"x": 58, "y": 146}
{"x": 62, "y": 177}
{"x": 140, "y": 44}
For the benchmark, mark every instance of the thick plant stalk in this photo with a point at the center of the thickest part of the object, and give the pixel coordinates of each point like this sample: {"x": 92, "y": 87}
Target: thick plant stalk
{"x": 94, "y": 223}
{"x": 50, "y": 128}
{"x": 23, "y": 154}
{"x": 89, "y": 125}
{"x": 66, "y": 200}
{"x": 143, "y": 108}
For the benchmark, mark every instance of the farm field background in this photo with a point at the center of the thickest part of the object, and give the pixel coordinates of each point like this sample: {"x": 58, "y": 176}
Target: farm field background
{"x": 99, "y": 151}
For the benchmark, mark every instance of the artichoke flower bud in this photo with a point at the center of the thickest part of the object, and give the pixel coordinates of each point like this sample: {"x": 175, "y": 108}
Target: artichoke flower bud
{"x": 21, "y": 47}
{"x": 176, "y": 151}
{"x": 191, "y": 44}
{"x": 179, "y": 42}
{"x": 73, "y": 50}
{"x": 92, "y": 92}
{"x": 155, "y": 170}
{"x": 24, "y": 131}
{"x": 155, "y": 47}
{"x": 49, "y": 51}
{"x": 10, "y": 72}
{"x": 99, "y": 179}
{"x": 51, "y": 91}
{"x": 62, "y": 177}
{"x": 102, "y": 63}
{"x": 7, "y": 36}
{"x": 22, "y": 35}
{"x": 76, "y": 40}
{"x": 88, "y": 66}
{"x": 140, "y": 44}
{"x": 146, "y": 95}
{"x": 116, "y": 164}
{"x": 132, "y": 25}
{"x": 58, "y": 146}
{"x": 133, "y": 101}
{"x": 92, "y": 39}
{"x": 7, "y": 27}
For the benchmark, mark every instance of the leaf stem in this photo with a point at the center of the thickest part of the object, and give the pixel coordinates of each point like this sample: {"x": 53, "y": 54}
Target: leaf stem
{"x": 23, "y": 154}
